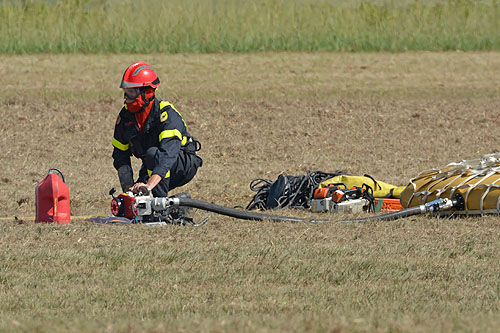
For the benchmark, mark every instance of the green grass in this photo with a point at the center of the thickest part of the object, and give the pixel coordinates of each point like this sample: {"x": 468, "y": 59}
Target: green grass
{"x": 185, "y": 26}
{"x": 415, "y": 275}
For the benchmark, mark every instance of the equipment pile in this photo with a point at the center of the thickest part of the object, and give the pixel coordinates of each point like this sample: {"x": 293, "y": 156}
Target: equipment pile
{"x": 317, "y": 191}
{"x": 466, "y": 187}
{"x": 326, "y": 192}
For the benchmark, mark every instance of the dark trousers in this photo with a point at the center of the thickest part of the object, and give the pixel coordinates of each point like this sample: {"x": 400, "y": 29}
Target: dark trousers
{"x": 181, "y": 173}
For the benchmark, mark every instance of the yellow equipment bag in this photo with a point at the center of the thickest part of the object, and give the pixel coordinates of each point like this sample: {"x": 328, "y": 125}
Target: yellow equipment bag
{"x": 380, "y": 189}
{"x": 477, "y": 181}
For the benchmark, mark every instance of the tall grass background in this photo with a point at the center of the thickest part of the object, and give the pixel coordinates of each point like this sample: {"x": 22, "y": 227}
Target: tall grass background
{"x": 184, "y": 26}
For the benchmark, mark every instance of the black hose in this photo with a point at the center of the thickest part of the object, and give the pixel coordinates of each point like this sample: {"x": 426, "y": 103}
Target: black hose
{"x": 432, "y": 206}
{"x": 240, "y": 214}
{"x": 390, "y": 216}
{"x": 457, "y": 203}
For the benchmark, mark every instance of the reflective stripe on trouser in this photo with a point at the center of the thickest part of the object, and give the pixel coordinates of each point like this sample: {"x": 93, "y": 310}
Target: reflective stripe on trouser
{"x": 183, "y": 170}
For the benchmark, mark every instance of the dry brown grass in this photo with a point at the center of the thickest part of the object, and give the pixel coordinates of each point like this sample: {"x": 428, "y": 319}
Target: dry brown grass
{"x": 388, "y": 115}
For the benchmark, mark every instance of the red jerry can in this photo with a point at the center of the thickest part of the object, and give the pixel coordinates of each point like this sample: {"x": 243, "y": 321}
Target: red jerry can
{"x": 52, "y": 199}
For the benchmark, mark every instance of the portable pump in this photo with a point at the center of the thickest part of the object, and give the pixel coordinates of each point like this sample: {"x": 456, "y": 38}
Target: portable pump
{"x": 144, "y": 208}
{"x": 124, "y": 205}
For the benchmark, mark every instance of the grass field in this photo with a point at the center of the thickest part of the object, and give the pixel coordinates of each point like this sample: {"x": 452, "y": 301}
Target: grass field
{"x": 388, "y": 115}
{"x": 201, "y": 26}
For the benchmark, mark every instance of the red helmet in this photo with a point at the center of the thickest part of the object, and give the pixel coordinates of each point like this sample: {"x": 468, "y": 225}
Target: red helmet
{"x": 139, "y": 75}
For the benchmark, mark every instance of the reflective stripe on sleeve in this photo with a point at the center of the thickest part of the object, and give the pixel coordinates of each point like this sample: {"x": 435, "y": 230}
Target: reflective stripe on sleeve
{"x": 170, "y": 134}
{"x": 150, "y": 173}
{"x": 120, "y": 145}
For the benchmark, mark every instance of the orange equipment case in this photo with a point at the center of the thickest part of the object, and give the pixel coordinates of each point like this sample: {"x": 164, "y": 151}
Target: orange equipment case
{"x": 387, "y": 205}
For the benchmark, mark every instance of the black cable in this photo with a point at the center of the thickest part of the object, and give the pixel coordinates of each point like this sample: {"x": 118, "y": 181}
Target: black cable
{"x": 375, "y": 183}
{"x": 59, "y": 171}
{"x": 261, "y": 186}
{"x": 296, "y": 191}
{"x": 368, "y": 195}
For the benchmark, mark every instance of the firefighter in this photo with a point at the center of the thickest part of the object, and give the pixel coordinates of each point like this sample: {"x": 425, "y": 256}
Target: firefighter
{"x": 154, "y": 131}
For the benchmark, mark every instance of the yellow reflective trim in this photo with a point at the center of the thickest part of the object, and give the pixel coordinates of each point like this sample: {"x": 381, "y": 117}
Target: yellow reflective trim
{"x": 170, "y": 134}
{"x": 164, "y": 116}
{"x": 120, "y": 145}
{"x": 150, "y": 173}
{"x": 184, "y": 141}
{"x": 165, "y": 104}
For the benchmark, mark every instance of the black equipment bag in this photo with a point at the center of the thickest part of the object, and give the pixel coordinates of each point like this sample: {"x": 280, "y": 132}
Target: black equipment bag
{"x": 287, "y": 191}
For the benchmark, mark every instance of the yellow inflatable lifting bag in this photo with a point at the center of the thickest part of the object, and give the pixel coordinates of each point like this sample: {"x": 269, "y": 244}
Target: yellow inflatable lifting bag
{"x": 478, "y": 181}
{"x": 380, "y": 190}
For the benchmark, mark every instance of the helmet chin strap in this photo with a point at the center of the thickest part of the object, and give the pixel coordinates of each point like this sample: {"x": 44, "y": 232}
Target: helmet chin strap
{"x": 146, "y": 102}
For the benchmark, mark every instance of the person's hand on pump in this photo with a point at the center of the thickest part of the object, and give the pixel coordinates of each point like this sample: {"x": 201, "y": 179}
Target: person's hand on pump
{"x": 146, "y": 188}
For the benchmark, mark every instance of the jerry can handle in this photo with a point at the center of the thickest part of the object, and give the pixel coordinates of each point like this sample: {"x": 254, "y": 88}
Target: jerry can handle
{"x": 59, "y": 171}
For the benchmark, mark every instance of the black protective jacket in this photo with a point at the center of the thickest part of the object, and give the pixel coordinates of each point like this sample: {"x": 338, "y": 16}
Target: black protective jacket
{"x": 164, "y": 128}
